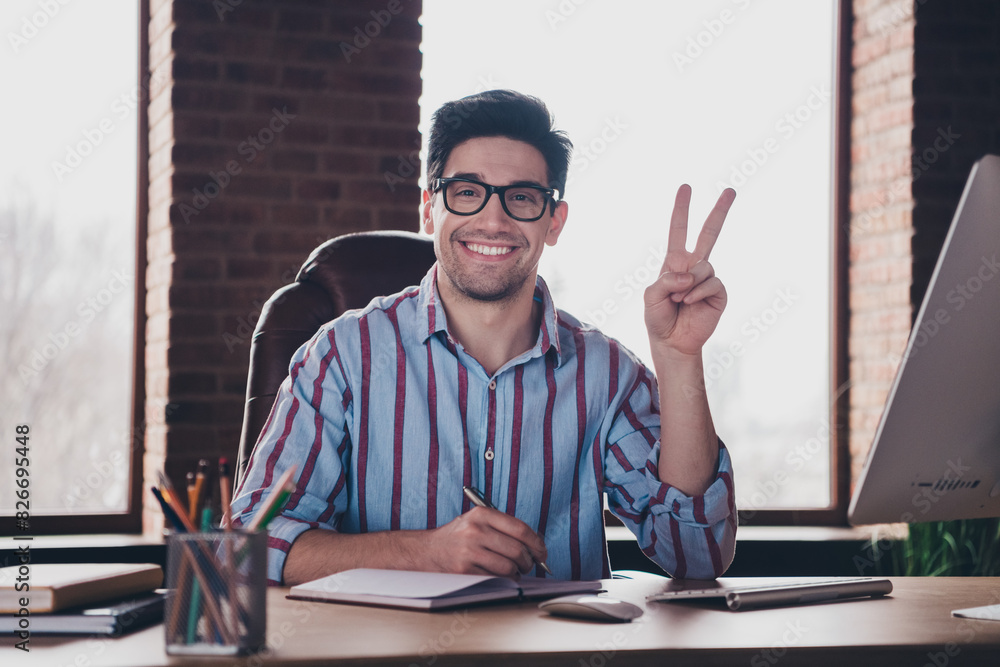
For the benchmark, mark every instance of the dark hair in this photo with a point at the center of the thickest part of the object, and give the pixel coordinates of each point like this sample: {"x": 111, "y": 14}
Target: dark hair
{"x": 499, "y": 113}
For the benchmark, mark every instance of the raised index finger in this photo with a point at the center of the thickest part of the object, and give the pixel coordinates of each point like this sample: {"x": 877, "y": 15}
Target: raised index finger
{"x": 677, "y": 240}
{"x": 713, "y": 224}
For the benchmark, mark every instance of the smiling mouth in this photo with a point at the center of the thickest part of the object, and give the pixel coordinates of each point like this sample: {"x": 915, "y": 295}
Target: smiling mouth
{"x": 491, "y": 250}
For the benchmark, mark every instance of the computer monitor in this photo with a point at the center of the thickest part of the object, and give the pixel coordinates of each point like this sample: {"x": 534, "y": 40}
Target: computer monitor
{"x": 936, "y": 453}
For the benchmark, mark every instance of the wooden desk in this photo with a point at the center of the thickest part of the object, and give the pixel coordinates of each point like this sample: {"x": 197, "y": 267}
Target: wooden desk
{"x": 912, "y": 627}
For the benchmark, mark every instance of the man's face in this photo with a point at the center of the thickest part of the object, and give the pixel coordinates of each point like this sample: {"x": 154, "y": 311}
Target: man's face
{"x": 489, "y": 256}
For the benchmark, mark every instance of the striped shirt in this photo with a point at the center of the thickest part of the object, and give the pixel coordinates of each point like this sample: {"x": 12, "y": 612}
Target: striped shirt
{"x": 387, "y": 417}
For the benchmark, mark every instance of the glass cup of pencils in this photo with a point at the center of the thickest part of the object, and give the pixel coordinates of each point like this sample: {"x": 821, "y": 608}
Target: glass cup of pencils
{"x": 218, "y": 602}
{"x": 218, "y": 577}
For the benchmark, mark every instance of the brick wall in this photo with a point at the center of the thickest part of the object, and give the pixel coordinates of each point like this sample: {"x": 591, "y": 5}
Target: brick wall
{"x": 881, "y": 205}
{"x": 277, "y": 125}
{"x": 926, "y": 105}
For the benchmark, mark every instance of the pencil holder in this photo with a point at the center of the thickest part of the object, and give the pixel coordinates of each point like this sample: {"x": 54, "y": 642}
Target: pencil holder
{"x": 217, "y": 604}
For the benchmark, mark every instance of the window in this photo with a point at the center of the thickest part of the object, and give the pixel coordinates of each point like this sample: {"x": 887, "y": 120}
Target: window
{"x": 716, "y": 94}
{"x": 68, "y": 274}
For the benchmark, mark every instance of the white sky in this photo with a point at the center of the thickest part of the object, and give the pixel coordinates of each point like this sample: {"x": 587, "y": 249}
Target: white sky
{"x": 61, "y": 100}
{"x": 600, "y": 62}
{"x": 605, "y": 66}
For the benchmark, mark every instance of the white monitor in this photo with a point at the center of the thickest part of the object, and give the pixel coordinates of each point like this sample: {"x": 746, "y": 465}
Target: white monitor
{"x": 936, "y": 453}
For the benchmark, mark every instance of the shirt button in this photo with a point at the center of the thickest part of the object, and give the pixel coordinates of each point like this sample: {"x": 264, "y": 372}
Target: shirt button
{"x": 489, "y": 454}
{"x": 493, "y": 385}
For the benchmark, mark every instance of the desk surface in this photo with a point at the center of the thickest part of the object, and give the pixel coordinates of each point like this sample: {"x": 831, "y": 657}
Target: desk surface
{"x": 912, "y": 626}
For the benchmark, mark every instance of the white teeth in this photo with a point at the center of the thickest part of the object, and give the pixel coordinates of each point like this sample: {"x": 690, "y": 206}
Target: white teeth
{"x": 488, "y": 249}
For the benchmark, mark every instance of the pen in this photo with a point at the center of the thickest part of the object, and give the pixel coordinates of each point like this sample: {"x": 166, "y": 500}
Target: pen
{"x": 225, "y": 493}
{"x": 275, "y": 501}
{"x": 479, "y": 500}
{"x": 168, "y": 511}
{"x": 167, "y": 491}
{"x": 192, "y": 498}
{"x": 199, "y": 487}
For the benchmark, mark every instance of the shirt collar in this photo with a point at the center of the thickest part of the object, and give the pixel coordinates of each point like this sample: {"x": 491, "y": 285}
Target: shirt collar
{"x": 433, "y": 319}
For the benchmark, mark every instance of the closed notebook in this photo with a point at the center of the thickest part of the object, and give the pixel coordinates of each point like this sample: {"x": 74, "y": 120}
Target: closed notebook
{"x": 51, "y": 587}
{"x": 112, "y": 618}
{"x": 430, "y": 590}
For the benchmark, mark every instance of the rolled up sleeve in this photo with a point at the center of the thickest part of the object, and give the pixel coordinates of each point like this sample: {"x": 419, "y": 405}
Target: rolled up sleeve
{"x": 307, "y": 429}
{"x": 688, "y": 536}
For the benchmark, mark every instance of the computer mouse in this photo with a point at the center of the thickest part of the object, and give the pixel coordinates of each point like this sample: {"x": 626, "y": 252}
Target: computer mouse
{"x": 592, "y": 607}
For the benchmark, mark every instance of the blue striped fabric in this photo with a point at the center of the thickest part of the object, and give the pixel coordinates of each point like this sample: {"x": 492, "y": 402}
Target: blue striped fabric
{"x": 387, "y": 417}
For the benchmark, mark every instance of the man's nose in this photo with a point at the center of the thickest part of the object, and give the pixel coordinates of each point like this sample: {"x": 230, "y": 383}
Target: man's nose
{"x": 494, "y": 211}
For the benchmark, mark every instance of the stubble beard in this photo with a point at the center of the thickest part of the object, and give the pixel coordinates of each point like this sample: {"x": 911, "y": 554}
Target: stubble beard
{"x": 497, "y": 287}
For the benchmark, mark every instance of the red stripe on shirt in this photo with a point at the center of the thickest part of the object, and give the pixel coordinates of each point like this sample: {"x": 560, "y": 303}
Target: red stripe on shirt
{"x": 698, "y": 505}
{"x": 272, "y": 459}
{"x": 432, "y": 454}
{"x": 633, "y": 419}
{"x": 515, "y": 445}
{"x": 598, "y": 462}
{"x": 317, "y": 443}
{"x": 362, "y": 444}
{"x": 279, "y": 444}
{"x": 713, "y": 549}
{"x": 398, "y": 419}
{"x": 581, "y": 431}
{"x": 550, "y": 383}
{"x": 619, "y": 455}
{"x": 675, "y": 537}
{"x": 327, "y": 514}
{"x": 463, "y": 409}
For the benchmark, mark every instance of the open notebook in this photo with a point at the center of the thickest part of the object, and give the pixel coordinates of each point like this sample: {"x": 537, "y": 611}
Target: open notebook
{"x": 430, "y": 590}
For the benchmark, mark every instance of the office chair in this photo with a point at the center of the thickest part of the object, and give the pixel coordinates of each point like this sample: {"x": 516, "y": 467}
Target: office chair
{"x": 343, "y": 273}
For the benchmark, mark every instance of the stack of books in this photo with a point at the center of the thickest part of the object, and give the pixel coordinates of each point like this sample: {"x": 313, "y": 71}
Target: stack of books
{"x": 90, "y": 598}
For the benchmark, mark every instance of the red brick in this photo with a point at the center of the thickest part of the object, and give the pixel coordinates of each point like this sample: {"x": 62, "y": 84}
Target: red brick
{"x": 184, "y": 69}
{"x": 295, "y": 214}
{"x": 240, "y": 268}
{"x": 317, "y": 190}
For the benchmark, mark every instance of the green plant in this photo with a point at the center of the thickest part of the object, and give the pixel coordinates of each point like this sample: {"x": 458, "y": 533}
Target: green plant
{"x": 967, "y": 548}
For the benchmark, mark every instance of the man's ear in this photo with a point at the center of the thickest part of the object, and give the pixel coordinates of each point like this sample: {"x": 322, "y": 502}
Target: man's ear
{"x": 557, "y": 223}
{"x": 426, "y": 220}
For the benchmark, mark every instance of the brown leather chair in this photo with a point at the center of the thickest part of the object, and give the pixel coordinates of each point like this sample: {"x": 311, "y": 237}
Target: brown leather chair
{"x": 343, "y": 273}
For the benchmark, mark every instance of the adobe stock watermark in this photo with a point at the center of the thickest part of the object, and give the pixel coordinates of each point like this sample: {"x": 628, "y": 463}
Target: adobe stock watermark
{"x": 90, "y": 481}
{"x": 562, "y": 12}
{"x": 751, "y": 330}
{"x": 894, "y": 15}
{"x": 786, "y": 127}
{"x": 363, "y": 35}
{"x": 930, "y": 493}
{"x": 766, "y": 490}
{"x": 697, "y": 44}
{"x": 586, "y": 154}
{"x": 792, "y": 635}
{"x": 245, "y": 325}
{"x": 437, "y": 646}
{"x": 92, "y": 137}
{"x": 35, "y": 22}
{"x": 87, "y": 310}
{"x": 223, "y": 7}
{"x": 920, "y": 163}
{"x": 632, "y": 282}
{"x": 249, "y": 148}
{"x": 959, "y": 296}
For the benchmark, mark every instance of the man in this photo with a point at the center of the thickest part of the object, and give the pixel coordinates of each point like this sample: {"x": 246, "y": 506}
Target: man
{"x": 475, "y": 379}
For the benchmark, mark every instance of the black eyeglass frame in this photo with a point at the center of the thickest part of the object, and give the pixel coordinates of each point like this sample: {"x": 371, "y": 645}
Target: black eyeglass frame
{"x": 551, "y": 196}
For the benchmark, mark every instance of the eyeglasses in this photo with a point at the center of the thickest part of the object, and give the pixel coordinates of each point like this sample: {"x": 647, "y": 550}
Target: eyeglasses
{"x": 525, "y": 203}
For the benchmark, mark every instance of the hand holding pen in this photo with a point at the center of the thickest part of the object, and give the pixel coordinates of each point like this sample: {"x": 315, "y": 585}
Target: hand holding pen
{"x": 477, "y": 499}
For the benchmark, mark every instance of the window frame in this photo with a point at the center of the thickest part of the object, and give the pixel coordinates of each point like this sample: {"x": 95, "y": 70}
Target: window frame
{"x": 129, "y": 521}
{"x": 840, "y": 459}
